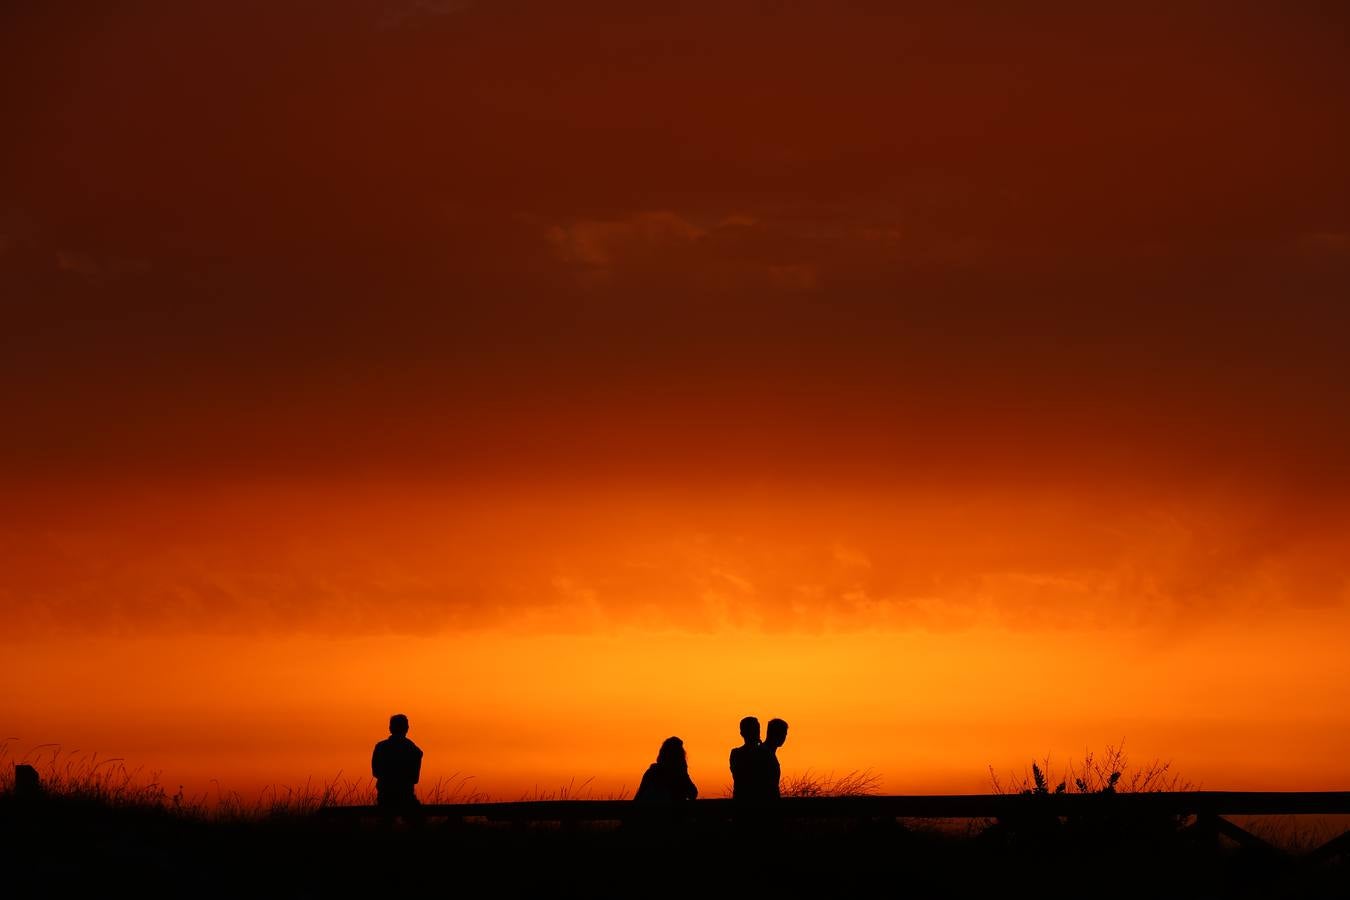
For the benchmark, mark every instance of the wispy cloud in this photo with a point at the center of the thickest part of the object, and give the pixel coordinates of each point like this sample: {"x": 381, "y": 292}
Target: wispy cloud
{"x": 1006, "y": 564}
{"x": 604, "y": 242}
{"x": 99, "y": 268}
{"x": 399, "y": 13}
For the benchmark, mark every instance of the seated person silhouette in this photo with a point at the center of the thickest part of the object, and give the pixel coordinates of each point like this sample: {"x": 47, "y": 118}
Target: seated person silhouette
{"x": 667, "y": 779}
{"x": 747, "y": 763}
{"x": 774, "y": 737}
{"x": 397, "y": 766}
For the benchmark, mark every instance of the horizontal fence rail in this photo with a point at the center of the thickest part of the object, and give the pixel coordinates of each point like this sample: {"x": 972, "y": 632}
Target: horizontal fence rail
{"x": 920, "y": 806}
{"x": 1208, "y": 808}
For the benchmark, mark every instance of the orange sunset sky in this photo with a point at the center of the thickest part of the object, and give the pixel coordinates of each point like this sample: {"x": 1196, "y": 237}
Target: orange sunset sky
{"x": 961, "y": 382}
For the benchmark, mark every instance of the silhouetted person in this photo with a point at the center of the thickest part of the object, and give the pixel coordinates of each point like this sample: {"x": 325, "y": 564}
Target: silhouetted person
{"x": 667, "y": 779}
{"x": 747, "y": 763}
{"x": 27, "y": 783}
{"x": 397, "y": 766}
{"x": 774, "y": 737}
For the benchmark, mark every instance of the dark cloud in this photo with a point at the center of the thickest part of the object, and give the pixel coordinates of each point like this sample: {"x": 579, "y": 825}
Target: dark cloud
{"x": 807, "y": 244}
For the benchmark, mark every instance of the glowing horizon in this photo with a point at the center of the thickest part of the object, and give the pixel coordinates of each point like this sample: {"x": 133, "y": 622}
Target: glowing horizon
{"x": 262, "y": 636}
{"x": 607, "y": 702}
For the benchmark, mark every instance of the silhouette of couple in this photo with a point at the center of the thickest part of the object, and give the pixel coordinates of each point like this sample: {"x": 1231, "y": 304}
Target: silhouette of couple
{"x": 755, "y": 772}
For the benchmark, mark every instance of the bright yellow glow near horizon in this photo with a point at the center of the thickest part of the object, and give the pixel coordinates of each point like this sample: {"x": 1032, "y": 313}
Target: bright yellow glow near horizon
{"x": 928, "y": 712}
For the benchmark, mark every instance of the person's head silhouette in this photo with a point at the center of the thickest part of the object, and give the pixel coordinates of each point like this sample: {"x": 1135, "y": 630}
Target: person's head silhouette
{"x": 750, "y": 729}
{"x": 776, "y": 733}
{"x": 398, "y": 725}
{"x": 672, "y": 753}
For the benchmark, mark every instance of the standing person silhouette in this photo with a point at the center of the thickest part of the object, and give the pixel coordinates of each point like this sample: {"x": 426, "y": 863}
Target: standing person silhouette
{"x": 668, "y": 779}
{"x": 774, "y": 737}
{"x": 397, "y": 766}
{"x": 747, "y": 763}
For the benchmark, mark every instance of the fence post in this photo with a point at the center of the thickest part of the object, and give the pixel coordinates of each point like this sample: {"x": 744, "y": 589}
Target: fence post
{"x": 1205, "y": 829}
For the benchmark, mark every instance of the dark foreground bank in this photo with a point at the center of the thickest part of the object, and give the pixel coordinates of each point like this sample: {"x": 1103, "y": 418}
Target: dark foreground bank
{"x": 72, "y": 847}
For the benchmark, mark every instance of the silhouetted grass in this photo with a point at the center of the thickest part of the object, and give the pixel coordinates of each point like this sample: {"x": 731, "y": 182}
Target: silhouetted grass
{"x": 810, "y": 783}
{"x": 101, "y": 831}
{"x": 1105, "y": 773}
{"x": 857, "y": 783}
{"x": 74, "y": 775}
{"x": 84, "y": 776}
{"x": 1031, "y": 829}
{"x": 573, "y": 791}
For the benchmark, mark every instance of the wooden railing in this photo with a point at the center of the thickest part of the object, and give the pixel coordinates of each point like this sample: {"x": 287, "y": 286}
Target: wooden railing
{"x": 1208, "y": 807}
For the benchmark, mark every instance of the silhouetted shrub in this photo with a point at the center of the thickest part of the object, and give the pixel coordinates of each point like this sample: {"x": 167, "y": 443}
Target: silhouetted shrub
{"x": 1102, "y": 775}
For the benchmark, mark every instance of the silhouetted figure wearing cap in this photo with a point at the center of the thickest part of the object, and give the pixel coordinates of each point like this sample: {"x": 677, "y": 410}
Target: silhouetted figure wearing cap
{"x": 397, "y": 766}
{"x": 747, "y": 763}
{"x": 667, "y": 780}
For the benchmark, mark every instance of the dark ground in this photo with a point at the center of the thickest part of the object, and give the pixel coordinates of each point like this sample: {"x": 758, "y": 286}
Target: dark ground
{"x": 64, "y": 847}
